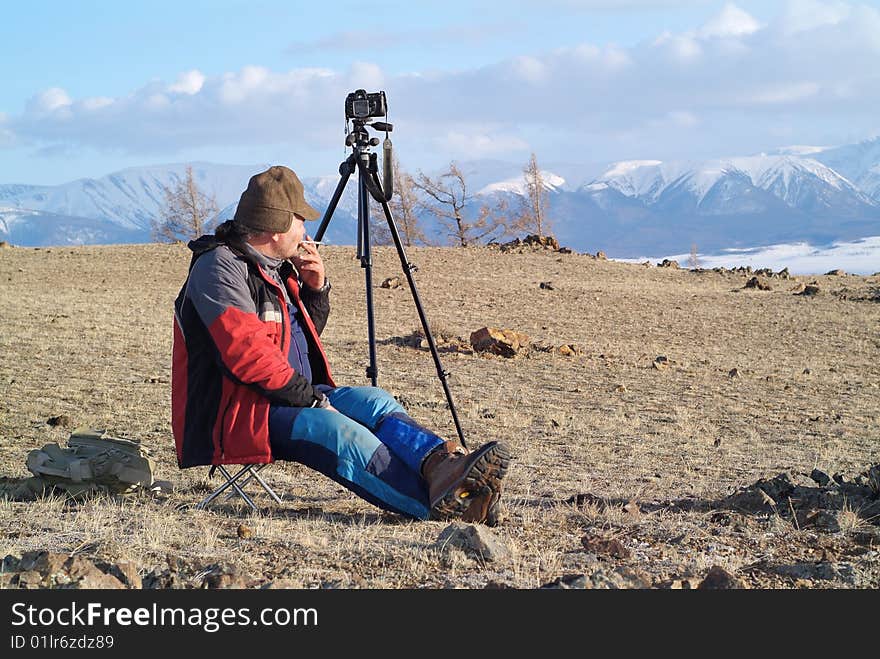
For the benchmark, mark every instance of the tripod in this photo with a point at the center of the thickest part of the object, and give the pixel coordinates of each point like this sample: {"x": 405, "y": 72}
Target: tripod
{"x": 365, "y": 162}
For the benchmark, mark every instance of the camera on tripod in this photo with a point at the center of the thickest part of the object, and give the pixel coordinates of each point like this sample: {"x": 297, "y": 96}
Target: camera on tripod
{"x": 361, "y": 105}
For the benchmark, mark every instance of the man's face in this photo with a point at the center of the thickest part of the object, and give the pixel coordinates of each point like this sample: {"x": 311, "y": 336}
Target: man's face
{"x": 288, "y": 241}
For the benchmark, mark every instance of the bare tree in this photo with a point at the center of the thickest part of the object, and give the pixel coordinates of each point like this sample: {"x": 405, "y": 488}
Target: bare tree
{"x": 450, "y": 196}
{"x": 694, "y": 257}
{"x": 380, "y": 233}
{"x": 186, "y": 213}
{"x": 405, "y": 206}
{"x": 533, "y": 212}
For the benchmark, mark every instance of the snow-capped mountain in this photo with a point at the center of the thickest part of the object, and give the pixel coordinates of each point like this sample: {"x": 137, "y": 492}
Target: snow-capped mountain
{"x": 720, "y": 186}
{"x": 129, "y": 198}
{"x": 859, "y": 163}
{"x": 627, "y": 208}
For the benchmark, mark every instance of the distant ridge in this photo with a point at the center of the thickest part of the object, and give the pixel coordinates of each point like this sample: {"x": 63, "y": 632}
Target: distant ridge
{"x": 628, "y": 208}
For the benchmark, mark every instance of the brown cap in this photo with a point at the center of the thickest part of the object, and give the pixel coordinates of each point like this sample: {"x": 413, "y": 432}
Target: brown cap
{"x": 271, "y": 199}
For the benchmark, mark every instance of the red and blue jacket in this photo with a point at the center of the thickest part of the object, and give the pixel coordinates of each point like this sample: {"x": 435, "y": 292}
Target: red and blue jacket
{"x": 230, "y": 358}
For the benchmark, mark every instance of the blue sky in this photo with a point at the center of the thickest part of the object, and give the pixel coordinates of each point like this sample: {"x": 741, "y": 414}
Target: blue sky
{"x": 94, "y": 86}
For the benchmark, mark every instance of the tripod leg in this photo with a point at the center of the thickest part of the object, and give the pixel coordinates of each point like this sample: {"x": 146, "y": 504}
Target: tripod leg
{"x": 346, "y": 169}
{"x": 367, "y": 264}
{"x": 408, "y": 269}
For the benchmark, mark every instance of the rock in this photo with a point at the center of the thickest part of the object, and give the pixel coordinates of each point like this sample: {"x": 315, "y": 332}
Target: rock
{"x": 798, "y": 288}
{"x": 30, "y": 579}
{"x": 244, "y": 532}
{"x": 820, "y": 477}
{"x": 85, "y": 575}
{"x": 5, "y": 245}
{"x": 823, "y": 520}
{"x": 569, "y": 350}
{"x": 10, "y": 563}
{"x": 810, "y": 290}
{"x": 49, "y": 564}
{"x": 493, "y": 584}
{"x": 764, "y": 493}
{"x": 391, "y": 282}
{"x": 872, "y": 476}
{"x": 546, "y": 285}
{"x": 784, "y": 274}
{"x": 717, "y": 578}
{"x": 808, "y": 371}
{"x": 618, "y": 579}
{"x": 61, "y": 420}
{"x": 687, "y": 583}
{"x": 503, "y": 342}
{"x": 835, "y": 273}
{"x": 533, "y": 242}
{"x": 621, "y": 389}
{"x": 474, "y": 540}
{"x": 600, "y": 255}
{"x": 733, "y": 373}
{"x": 660, "y": 362}
{"x": 760, "y": 284}
{"x": 223, "y": 577}
{"x": 667, "y": 263}
{"x": 569, "y": 582}
{"x": 163, "y": 579}
{"x": 605, "y": 546}
{"x": 126, "y": 572}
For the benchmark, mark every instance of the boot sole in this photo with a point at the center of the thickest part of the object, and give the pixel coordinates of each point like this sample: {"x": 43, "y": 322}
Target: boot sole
{"x": 485, "y": 474}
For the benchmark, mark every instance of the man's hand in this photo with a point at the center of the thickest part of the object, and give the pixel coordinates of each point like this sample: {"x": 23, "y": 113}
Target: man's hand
{"x": 310, "y": 265}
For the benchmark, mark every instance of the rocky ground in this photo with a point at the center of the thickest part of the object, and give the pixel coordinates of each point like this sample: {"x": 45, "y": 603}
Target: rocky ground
{"x": 672, "y": 428}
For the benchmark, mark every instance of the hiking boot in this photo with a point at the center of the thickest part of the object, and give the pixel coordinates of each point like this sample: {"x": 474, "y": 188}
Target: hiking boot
{"x": 486, "y": 508}
{"x": 455, "y": 478}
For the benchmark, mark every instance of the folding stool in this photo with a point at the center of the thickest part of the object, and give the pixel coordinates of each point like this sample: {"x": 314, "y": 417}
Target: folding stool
{"x": 237, "y": 482}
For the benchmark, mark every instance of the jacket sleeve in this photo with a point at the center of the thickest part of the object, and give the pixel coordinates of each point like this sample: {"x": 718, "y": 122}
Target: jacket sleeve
{"x": 244, "y": 337}
{"x": 317, "y": 305}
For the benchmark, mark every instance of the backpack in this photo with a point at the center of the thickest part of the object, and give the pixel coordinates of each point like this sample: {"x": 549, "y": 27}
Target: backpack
{"x": 93, "y": 461}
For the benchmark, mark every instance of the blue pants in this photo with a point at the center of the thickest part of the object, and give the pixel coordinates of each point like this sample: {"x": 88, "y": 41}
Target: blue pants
{"x": 371, "y": 446}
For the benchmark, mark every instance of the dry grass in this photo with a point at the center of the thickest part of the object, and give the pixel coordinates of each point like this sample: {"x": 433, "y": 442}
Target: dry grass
{"x": 86, "y": 332}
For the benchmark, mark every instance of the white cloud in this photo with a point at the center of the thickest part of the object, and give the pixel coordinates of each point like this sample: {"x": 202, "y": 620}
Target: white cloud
{"x": 805, "y": 15}
{"x": 49, "y": 101}
{"x": 683, "y": 118}
{"x": 366, "y": 76}
{"x": 530, "y": 69}
{"x": 480, "y": 142}
{"x": 731, "y": 22}
{"x": 189, "y": 82}
{"x": 789, "y": 93}
{"x": 96, "y": 102}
